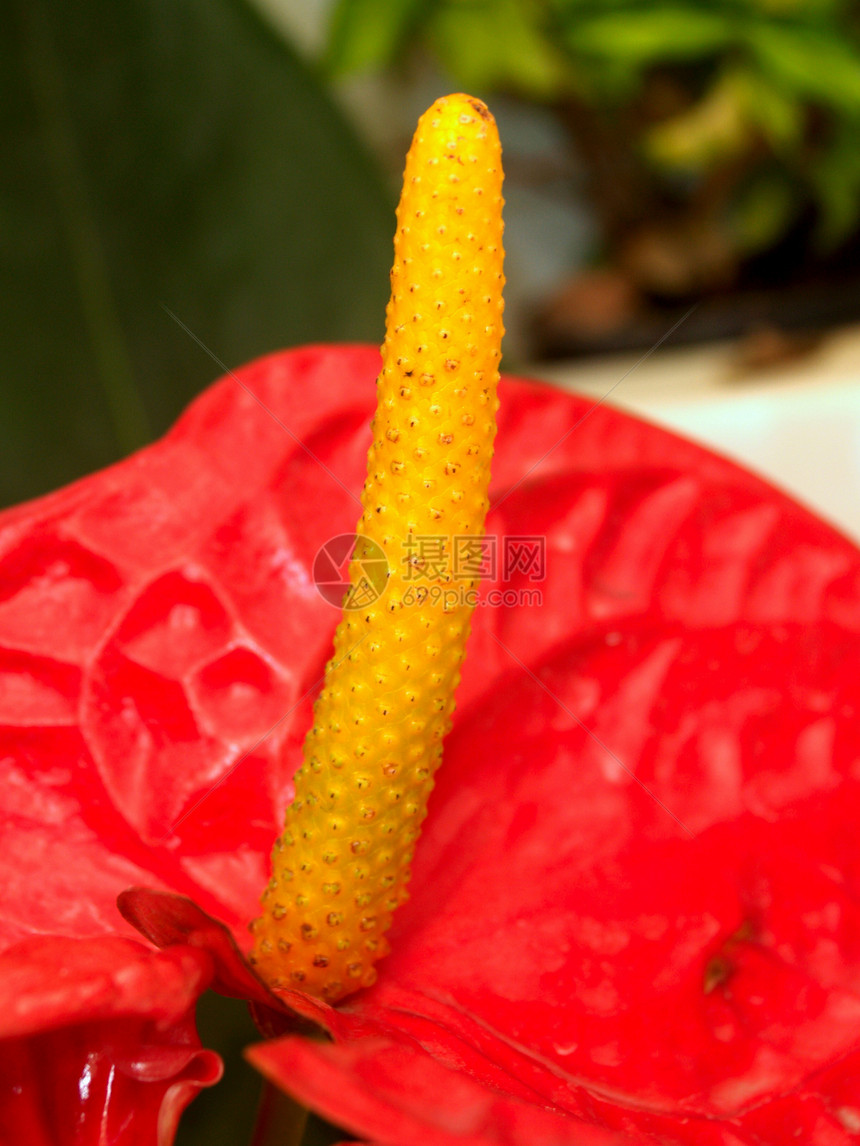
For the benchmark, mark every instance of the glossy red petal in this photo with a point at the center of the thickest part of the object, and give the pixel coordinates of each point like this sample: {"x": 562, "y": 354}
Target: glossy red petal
{"x": 113, "y": 1083}
{"x": 97, "y": 1041}
{"x": 49, "y": 980}
{"x": 139, "y": 670}
{"x": 160, "y": 641}
{"x": 635, "y": 899}
{"x": 598, "y": 957}
{"x": 374, "y": 1090}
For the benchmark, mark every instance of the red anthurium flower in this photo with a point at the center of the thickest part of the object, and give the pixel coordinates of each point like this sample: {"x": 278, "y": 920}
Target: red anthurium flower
{"x": 634, "y": 912}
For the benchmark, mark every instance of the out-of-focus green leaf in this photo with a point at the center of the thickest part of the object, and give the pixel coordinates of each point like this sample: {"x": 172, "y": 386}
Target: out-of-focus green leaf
{"x": 714, "y": 129}
{"x": 779, "y": 116}
{"x": 163, "y": 153}
{"x": 797, "y": 9}
{"x": 320, "y": 1133}
{"x": 222, "y": 1115}
{"x": 740, "y": 107}
{"x": 800, "y": 11}
{"x": 497, "y": 43}
{"x": 762, "y": 211}
{"x": 659, "y": 33}
{"x": 365, "y": 34}
{"x": 836, "y": 181}
{"x": 820, "y": 66}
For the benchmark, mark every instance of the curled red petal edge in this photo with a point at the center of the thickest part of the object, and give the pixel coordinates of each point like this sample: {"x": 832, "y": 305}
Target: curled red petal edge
{"x": 167, "y": 919}
{"x": 98, "y": 1042}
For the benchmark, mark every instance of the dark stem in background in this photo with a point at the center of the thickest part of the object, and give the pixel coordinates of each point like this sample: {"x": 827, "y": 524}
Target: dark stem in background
{"x": 280, "y": 1120}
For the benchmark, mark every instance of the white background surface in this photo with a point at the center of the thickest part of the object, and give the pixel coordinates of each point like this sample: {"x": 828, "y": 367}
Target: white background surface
{"x": 797, "y": 424}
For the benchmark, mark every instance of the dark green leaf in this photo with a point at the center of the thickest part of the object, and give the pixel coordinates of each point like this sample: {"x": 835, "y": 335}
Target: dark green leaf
{"x": 836, "y": 181}
{"x": 763, "y": 210}
{"x": 164, "y": 153}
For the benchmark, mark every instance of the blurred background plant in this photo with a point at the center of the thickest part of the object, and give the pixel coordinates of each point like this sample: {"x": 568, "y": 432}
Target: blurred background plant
{"x": 715, "y": 142}
{"x": 234, "y": 163}
{"x": 165, "y": 154}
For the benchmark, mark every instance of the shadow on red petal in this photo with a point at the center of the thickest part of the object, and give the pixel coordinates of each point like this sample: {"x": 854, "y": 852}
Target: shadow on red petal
{"x": 169, "y": 920}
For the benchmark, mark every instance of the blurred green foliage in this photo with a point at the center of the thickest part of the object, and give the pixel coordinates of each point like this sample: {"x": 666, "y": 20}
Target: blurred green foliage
{"x": 242, "y": 1108}
{"x": 225, "y": 1114}
{"x": 745, "y": 109}
{"x": 164, "y": 153}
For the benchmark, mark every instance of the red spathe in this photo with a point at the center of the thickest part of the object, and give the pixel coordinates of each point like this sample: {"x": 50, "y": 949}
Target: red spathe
{"x": 634, "y": 906}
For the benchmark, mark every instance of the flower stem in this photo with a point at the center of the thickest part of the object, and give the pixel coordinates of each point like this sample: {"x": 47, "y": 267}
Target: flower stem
{"x": 280, "y": 1120}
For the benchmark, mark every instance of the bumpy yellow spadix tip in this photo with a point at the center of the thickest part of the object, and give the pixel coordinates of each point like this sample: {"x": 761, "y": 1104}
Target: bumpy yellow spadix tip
{"x": 341, "y": 865}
